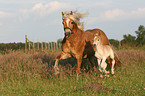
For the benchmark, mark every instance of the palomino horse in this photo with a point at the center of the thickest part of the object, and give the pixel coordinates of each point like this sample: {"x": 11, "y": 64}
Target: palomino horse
{"x": 102, "y": 52}
{"x": 77, "y": 43}
{"x": 77, "y": 17}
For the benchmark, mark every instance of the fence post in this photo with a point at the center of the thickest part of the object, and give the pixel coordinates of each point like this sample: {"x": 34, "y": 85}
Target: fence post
{"x": 33, "y": 45}
{"x": 48, "y": 46}
{"x": 42, "y": 46}
{"x": 25, "y": 42}
{"x": 119, "y": 44}
{"x": 29, "y": 46}
{"x": 38, "y": 45}
{"x": 51, "y": 46}
{"x": 45, "y": 45}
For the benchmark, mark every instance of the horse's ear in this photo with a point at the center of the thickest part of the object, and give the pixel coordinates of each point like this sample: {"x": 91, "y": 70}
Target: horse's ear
{"x": 71, "y": 13}
{"x": 62, "y": 14}
{"x": 99, "y": 38}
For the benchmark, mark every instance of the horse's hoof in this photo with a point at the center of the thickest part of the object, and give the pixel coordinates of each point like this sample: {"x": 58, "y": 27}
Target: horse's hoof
{"x": 112, "y": 73}
{"x": 101, "y": 76}
{"x": 56, "y": 73}
{"x": 107, "y": 72}
{"x": 107, "y": 76}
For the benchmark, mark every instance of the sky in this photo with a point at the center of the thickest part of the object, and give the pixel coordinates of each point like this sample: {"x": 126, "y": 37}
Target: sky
{"x": 41, "y": 20}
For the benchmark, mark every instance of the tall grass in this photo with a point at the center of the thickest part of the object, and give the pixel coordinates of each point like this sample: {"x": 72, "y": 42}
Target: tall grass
{"x": 32, "y": 74}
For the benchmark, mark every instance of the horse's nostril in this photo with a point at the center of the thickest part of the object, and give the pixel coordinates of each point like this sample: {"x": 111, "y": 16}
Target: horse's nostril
{"x": 94, "y": 45}
{"x": 67, "y": 34}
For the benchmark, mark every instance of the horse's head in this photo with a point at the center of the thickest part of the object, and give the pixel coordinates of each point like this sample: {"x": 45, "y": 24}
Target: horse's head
{"x": 97, "y": 39}
{"x": 68, "y": 24}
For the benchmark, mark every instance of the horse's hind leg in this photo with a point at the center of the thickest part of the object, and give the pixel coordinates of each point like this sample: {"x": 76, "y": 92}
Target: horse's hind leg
{"x": 112, "y": 68}
{"x": 79, "y": 61}
{"x": 59, "y": 57}
{"x": 104, "y": 67}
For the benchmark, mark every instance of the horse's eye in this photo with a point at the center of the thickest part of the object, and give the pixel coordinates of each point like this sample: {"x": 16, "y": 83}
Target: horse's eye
{"x": 72, "y": 22}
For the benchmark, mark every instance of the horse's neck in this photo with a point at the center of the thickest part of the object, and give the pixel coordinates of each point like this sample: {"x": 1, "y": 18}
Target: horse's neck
{"x": 100, "y": 46}
{"x": 77, "y": 31}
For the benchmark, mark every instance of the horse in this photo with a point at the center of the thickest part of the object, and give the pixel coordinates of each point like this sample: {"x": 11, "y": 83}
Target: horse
{"x": 77, "y": 43}
{"x": 77, "y": 17}
{"x": 102, "y": 52}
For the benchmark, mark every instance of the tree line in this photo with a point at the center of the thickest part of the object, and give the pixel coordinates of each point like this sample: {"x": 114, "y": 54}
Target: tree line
{"x": 128, "y": 40}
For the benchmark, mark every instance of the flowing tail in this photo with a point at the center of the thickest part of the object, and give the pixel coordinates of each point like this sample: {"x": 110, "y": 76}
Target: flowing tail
{"x": 117, "y": 61}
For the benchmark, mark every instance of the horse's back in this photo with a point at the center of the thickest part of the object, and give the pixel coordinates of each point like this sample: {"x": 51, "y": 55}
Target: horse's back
{"x": 105, "y": 40}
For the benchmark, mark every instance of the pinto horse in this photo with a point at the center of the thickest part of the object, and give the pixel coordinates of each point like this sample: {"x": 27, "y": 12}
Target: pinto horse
{"x": 77, "y": 43}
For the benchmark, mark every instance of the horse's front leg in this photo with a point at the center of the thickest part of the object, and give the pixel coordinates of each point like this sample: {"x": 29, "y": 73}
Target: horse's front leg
{"x": 112, "y": 68}
{"x": 99, "y": 64}
{"x": 79, "y": 61}
{"x": 59, "y": 57}
{"x": 104, "y": 65}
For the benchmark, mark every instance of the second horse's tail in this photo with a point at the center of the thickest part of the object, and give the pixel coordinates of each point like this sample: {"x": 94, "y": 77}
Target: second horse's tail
{"x": 117, "y": 61}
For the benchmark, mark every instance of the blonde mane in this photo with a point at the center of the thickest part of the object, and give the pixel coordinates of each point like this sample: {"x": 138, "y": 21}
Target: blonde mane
{"x": 75, "y": 17}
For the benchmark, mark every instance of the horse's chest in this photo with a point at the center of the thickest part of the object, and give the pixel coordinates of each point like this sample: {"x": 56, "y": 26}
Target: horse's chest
{"x": 98, "y": 55}
{"x": 73, "y": 47}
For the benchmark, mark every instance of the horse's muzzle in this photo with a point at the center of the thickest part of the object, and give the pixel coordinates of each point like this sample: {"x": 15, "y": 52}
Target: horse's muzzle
{"x": 94, "y": 45}
{"x": 67, "y": 34}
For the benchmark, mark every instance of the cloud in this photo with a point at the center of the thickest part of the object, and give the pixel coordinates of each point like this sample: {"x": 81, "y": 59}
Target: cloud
{"x": 112, "y": 14}
{"x": 42, "y": 10}
{"x": 139, "y": 13}
{"x": 119, "y": 15}
{"x": 5, "y": 15}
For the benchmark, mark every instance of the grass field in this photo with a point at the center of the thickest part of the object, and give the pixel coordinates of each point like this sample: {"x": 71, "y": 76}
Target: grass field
{"x": 32, "y": 74}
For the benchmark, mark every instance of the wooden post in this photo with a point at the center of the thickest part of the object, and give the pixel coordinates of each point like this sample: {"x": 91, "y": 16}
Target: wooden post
{"x": 59, "y": 45}
{"x": 45, "y": 45}
{"x": 51, "y": 46}
{"x": 37, "y": 45}
{"x": 119, "y": 44}
{"x": 33, "y": 46}
{"x": 54, "y": 44}
{"x": 29, "y": 45}
{"x": 48, "y": 46}
{"x": 42, "y": 46}
{"x": 25, "y": 43}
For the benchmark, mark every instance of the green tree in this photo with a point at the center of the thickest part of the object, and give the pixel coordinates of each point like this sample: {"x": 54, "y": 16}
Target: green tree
{"x": 129, "y": 40}
{"x": 140, "y": 35}
{"x": 114, "y": 42}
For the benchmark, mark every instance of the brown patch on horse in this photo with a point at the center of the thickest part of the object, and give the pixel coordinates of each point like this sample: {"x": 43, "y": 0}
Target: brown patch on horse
{"x": 105, "y": 40}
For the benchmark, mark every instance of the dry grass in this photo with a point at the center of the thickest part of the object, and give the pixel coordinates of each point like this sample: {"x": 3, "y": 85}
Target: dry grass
{"x": 32, "y": 74}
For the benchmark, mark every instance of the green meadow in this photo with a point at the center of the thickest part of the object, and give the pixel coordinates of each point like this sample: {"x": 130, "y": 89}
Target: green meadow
{"x": 31, "y": 74}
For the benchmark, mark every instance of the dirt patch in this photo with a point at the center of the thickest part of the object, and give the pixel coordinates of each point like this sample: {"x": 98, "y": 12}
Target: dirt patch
{"x": 95, "y": 87}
